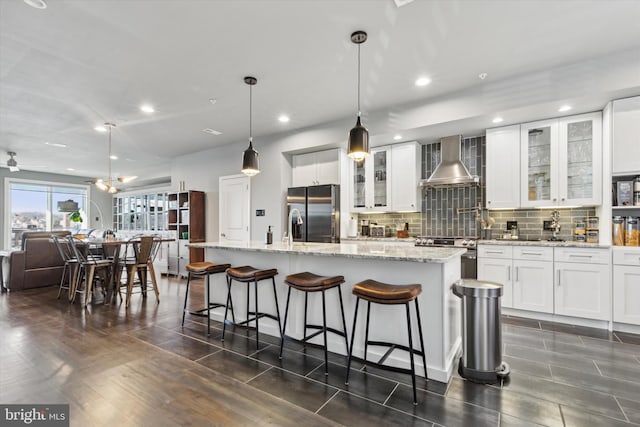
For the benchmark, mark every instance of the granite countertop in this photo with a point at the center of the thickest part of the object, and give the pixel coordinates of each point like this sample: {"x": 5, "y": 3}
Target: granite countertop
{"x": 378, "y": 239}
{"x": 567, "y": 243}
{"x": 373, "y": 250}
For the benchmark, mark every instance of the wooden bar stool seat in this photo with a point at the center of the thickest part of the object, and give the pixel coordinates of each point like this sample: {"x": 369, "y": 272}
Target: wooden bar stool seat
{"x": 204, "y": 269}
{"x": 376, "y": 292}
{"x": 308, "y": 282}
{"x": 248, "y": 274}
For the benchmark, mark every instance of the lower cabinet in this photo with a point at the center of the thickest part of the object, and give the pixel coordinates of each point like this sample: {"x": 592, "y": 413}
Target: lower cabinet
{"x": 563, "y": 280}
{"x": 626, "y": 285}
{"x": 582, "y": 282}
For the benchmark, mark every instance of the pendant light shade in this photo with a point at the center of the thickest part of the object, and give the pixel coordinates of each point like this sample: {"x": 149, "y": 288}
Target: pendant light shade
{"x": 358, "y": 147}
{"x": 250, "y": 165}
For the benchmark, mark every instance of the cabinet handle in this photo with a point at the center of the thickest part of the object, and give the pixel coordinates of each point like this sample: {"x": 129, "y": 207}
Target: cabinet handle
{"x": 559, "y": 278}
{"x": 562, "y": 199}
{"x": 509, "y": 273}
{"x": 531, "y": 253}
{"x": 494, "y": 252}
{"x": 488, "y": 202}
{"x": 223, "y": 235}
{"x": 554, "y": 199}
{"x": 580, "y": 256}
{"x": 517, "y": 268}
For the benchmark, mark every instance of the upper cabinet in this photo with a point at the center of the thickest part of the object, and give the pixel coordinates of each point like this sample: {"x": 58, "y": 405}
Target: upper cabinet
{"x": 503, "y": 167}
{"x": 561, "y": 162}
{"x": 405, "y": 167}
{"x": 319, "y": 168}
{"x": 626, "y": 136}
{"x": 387, "y": 180}
{"x": 371, "y": 182}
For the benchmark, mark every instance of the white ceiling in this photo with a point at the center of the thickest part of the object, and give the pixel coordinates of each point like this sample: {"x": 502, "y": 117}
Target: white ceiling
{"x": 76, "y": 64}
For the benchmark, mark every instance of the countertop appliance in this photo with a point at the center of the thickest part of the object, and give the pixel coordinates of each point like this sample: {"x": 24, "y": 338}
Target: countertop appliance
{"x": 319, "y": 206}
{"x": 377, "y": 230}
{"x": 469, "y": 264}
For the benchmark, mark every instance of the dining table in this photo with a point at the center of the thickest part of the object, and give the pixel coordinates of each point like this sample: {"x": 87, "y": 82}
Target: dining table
{"x": 112, "y": 247}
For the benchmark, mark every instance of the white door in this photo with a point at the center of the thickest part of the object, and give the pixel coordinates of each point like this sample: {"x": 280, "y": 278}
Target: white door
{"x": 234, "y": 211}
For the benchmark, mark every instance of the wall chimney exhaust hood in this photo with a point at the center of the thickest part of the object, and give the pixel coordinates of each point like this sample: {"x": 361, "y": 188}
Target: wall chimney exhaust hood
{"x": 451, "y": 171}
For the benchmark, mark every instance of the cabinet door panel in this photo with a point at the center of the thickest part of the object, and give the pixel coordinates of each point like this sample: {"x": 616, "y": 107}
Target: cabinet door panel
{"x": 582, "y": 290}
{"x": 381, "y": 178}
{"x": 327, "y": 167}
{"x": 626, "y": 128}
{"x": 304, "y": 170}
{"x": 503, "y": 167}
{"x": 539, "y": 158}
{"x": 499, "y": 271}
{"x": 405, "y": 167}
{"x": 626, "y": 294}
{"x": 533, "y": 286}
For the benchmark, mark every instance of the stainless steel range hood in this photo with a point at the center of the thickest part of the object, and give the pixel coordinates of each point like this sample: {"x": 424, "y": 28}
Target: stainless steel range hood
{"x": 451, "y": 171}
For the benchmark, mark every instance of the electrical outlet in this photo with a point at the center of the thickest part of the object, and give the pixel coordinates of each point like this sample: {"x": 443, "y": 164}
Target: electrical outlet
{"x": 511, "y": 225}
{"x": 546, "y": 226}
{"x": 260, "y": 212}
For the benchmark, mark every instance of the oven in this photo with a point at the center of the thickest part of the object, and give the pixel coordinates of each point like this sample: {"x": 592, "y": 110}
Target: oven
{"x": 468, "y": 260}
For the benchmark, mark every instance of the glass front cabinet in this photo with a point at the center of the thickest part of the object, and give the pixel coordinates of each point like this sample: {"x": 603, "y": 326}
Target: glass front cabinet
{"x": 140, "y": 212}
{"x": 561, "y": 162}
{"x": 371, "y": 182}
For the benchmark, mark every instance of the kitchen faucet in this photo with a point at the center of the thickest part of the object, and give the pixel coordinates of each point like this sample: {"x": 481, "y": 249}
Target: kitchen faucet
{"x": 298, "y": 222}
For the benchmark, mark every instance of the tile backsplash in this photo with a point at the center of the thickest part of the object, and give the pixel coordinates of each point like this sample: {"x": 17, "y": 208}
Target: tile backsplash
{"x": 530, "y": 221}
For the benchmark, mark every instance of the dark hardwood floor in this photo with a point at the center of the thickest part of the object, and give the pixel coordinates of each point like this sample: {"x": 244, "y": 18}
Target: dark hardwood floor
{"x": 138, "y": 367}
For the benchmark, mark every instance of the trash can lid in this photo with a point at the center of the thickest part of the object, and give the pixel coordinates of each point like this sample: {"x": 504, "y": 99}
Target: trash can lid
{"x": 477, "y": 288}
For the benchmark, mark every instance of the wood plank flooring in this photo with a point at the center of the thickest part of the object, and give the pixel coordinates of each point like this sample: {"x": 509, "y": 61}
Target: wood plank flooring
{"x": 139, "y": 367}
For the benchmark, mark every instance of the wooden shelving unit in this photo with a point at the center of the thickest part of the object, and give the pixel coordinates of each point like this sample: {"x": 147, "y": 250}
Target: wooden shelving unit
{"x": 186, "y": 217}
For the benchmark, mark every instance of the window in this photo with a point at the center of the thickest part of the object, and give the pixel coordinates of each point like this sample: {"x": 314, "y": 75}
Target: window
{"x": 34, "y": 206}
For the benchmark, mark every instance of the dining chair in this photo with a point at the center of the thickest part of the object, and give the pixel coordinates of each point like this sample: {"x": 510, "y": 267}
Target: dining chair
{"x": 69, "y": 268}
{"x": 144, "y": 249}
{"x": 86, "y": 273}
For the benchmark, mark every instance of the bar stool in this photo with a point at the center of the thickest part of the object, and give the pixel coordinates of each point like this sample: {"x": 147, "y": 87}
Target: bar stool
{"x": 383, "y": 293}
{"x": 247, "y": 274}
{"x": 309, "y": 282}
{"x": 202, "y": 269}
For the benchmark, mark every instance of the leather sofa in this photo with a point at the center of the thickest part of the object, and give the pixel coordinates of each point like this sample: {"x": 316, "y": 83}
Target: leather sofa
{"x": 38, "y": 263}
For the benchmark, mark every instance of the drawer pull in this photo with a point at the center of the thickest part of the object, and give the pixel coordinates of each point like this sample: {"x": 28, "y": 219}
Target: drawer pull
{"x": 580, "y": 256}
{"x": 532, "y": 253}
{"x": 558, "y": 278}
{"x": 494, "y": 252}
{"x": 509, "y": 273}
{"x": 517, "y": 273}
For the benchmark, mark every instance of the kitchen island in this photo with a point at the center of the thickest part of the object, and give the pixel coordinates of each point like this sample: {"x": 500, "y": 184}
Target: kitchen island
{"x": 436, "y": 269}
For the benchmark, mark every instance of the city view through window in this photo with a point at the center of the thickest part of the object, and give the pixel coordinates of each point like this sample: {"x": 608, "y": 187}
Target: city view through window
{"x": 36, "y": 207}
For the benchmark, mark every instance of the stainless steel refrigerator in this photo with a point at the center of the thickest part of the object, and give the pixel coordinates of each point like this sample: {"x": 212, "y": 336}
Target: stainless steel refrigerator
{"x": 319, "y": 206}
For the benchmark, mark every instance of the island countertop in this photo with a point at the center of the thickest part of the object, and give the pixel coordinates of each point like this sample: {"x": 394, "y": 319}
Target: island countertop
{"x": 371, "y": 250}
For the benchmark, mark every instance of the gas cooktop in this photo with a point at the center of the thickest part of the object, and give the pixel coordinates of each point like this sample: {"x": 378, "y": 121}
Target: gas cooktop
{"x": 461, "y": 242}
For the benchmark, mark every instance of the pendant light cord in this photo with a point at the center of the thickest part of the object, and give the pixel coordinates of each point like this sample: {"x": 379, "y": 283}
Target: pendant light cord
{"x": 110, "y": 127}
{"x": 250, "y": 114}
{"x": 358, "y": 80}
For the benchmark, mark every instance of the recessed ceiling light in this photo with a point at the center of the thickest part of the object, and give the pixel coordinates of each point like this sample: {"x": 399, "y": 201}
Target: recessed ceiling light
{"x": 213, "y": 101}
{"x": 146, "y": 108}
{"x": 497, "y": 120}
{"x": 100, "y": 128}
{"x": 55, "y": 144}
{"x": 70, "y": 169}
{"x": 283, "y": 118}
{"x": 483, "y": 76}
{"x": 564, "y": 108}
{"x": 212, "y": 131}
{"x": 423, "y": 81}
{"x": 38, "y": 4}
{"x": 397, "y": 137}
{"x": 113, "y": 157}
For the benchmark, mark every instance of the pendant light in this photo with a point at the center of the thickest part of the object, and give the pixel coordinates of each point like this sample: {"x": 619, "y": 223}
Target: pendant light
{"x": 358, "y": 147}
{"x": 107, "y": 185}
{"x": 250, "y": 156}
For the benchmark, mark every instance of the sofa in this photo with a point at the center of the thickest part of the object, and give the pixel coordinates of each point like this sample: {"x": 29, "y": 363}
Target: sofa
{"x": 37, "y": 264}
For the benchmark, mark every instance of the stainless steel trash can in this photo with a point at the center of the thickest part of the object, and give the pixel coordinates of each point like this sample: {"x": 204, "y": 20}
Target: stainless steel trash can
{"x": 481, "y": 359}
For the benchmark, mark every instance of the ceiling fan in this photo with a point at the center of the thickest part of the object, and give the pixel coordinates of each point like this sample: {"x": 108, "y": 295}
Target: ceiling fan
{"x": 108, "y": 184}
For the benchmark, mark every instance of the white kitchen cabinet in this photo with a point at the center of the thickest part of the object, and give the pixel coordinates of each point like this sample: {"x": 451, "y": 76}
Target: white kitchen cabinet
{"x": 371, "y": 182}
{"x": 503, "y": 167}
{"x": 626, "y": 285}
{"x": 318, "y": 168}
{"x": 582, "y": 282}
{"x": 498, "y": 270}
{"x": 526, "y": 272}
{"x": 626, "y": 136}
{"x": 405, "y": 169}
{"x": 561, "y": 162}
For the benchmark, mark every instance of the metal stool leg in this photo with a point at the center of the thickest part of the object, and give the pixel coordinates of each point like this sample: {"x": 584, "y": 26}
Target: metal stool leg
{"x": 275, "y": 296}
{"x": 284, "y": 326}
{"x": 304, "y": 337}
{"x": 207, "y": 292}
{"x": 255, "y": 283}
{"x": 424, "y": 351}
{"x": 344, "y": 323}
{"x": 413, "y": 367}
{"x": 353, "y": 335}
{"x": 186, "y": 295}
{"x": 226, "y": 309}
{"x": 324, "y": 329}
{"x": 366, "y": 334}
